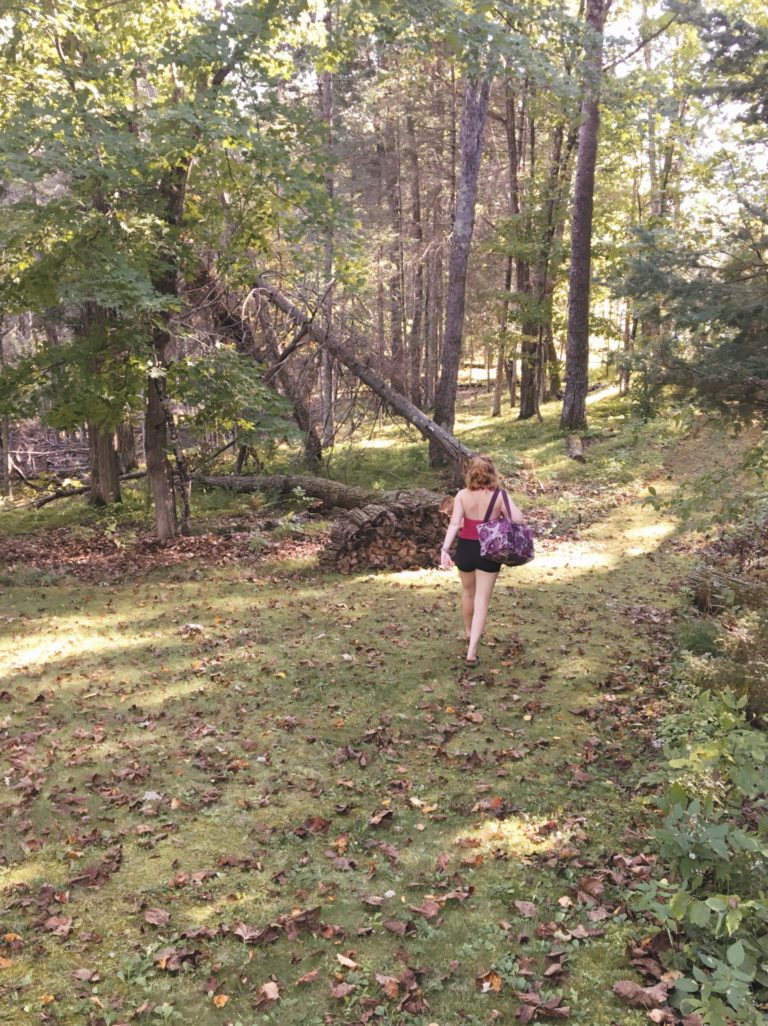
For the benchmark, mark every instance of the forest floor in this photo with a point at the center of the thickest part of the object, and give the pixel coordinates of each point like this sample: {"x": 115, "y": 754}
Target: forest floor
{"x": 243, "y": 791}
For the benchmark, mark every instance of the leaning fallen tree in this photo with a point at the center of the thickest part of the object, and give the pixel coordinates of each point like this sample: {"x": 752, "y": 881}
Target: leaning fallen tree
{"x": 455, "y": 452}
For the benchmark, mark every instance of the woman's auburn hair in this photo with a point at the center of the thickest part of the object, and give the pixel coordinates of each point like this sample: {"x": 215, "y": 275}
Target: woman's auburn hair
{"x": 481, "y": 472}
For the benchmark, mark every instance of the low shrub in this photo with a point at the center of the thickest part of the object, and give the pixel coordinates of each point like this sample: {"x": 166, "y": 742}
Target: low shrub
{"x": 713, "y": 843}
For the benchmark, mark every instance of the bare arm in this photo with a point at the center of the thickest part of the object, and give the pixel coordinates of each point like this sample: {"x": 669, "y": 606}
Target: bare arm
{"x": 500, "y": 510}
{"x": 452, "y": 530}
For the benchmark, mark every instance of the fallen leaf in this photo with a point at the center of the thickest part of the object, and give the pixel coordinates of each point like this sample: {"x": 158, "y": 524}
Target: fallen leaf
{"x": 308, "y": 978}
{"x": 59, "y": 926}
{"x": 156, "y": 916}
{"x": 527, "y": 909}
{"x": 488, "y": 982}
{"x": 641, "y": 997}
{"x": 269, "y": 992}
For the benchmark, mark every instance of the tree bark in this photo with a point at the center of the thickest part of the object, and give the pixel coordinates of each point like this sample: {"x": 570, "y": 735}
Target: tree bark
{"x": 503, "y": 325}
{"x": 475, "y": 110}
{"x": 331, "y": 493}
{"x": 313, "y": 446}
{"x": 390, "y": 157}
{"x": 326, "y": 361}
{"x": 574, "y": 413}
{"x": 451, "y": 449}
{"x": 159, "y": 472}
{"x": 5, "y": 428}
{"x": 126, "y": 447}
{"x": 104, "y": 466}
{"x": 417, "y": 234}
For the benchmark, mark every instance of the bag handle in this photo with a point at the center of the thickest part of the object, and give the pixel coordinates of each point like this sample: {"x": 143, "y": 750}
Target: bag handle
{"x": 492, "y": 503}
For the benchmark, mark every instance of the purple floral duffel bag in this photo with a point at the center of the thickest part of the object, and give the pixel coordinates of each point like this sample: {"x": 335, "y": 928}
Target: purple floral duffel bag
{"x": 501, "y": 540}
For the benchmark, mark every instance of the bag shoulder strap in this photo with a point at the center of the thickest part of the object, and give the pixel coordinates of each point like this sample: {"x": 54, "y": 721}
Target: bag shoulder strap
{"x": 492, "y": 503}
{"x": 506, "y": 503}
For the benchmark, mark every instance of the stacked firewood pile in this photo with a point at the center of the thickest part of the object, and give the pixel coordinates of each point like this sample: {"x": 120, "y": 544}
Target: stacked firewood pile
{"x": 400, "y": 531}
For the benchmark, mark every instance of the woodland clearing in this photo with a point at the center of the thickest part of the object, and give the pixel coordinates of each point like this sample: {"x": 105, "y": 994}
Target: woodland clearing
{"x": 246, "y": 791}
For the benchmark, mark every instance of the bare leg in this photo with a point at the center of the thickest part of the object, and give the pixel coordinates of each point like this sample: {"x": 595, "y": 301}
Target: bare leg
{"x": 484, "y": 585}
{"x": 467, "y": 599}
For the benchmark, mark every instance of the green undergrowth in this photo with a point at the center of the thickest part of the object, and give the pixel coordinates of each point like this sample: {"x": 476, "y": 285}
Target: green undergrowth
{"x": 709, "y": 896}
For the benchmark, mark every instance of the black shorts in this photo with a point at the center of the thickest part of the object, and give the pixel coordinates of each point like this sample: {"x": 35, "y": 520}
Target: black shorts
{"x": 468, "y": 558}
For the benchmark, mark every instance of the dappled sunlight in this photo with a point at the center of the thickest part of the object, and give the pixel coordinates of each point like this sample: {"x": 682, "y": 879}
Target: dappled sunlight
{"x": 515, "y": 836}
{"x": 378, "y": 443}
{"x": 611, "y": 392}
{"x": 574, "y": 560}
{"x": 36, "y": 651}
{"x": 647, "y": 536}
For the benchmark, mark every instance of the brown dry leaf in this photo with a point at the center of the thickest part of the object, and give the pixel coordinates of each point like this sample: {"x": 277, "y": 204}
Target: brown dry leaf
{"x": 390, "y": 985}
{"x": 395, "y": 926}
{"x": 86, "y": 975}
{"x": 59, "y": 926}
{"x": 341, "y": 990}
{"x": 663, "y": 1016}
{"x": 220, "y": 1000}
{"x": 156, "y": 916}
{"x": 527, "y": 909}
{"x": 641, "y": 997}
{"x": 5, "y": 963}
{"x": 489, "y": 982}
{"x": 378, "y": 817}
{"x": 428, "y": 908}
{"x": 308, "y": 978}
{"x": 269, "y": 992}
{"x": 348, "y": 963}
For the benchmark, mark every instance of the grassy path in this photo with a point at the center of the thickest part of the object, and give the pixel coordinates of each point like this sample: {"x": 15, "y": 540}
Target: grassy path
{"x": 249, "y": 799}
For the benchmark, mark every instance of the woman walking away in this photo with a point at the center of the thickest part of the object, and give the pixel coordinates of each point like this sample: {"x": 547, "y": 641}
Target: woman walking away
{"x": 478, "y": 574}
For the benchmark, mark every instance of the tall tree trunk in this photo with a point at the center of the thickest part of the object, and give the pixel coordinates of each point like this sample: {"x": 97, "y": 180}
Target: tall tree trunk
{"x": 503, "y": 324}
{"x": 475, "y": 110}
{"x": 574, "y": 413}
{"x": 104, "y": 466}
{"x": 126, "y": 447}
{"x": 159, "y": 472}
{"x": 417, "y": 234}
{"x": 326, "y": 360}
{"x": 390, "y": 157}
{"x": 313, "y": 447}
{"x": 5, "y": 427}
{"x": 529, "y": 328}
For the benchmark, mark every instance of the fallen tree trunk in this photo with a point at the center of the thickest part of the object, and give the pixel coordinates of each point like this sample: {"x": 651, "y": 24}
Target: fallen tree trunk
{"x": 455, "y": 452}
{"x": 67, "y": 493}
{"x": 399, "y": 531}
{"x": 716, "y": 590}
{"x": 331, "y": 493}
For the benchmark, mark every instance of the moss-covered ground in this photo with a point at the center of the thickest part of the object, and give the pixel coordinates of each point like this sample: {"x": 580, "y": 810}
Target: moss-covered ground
{"x": 254, "y": 792}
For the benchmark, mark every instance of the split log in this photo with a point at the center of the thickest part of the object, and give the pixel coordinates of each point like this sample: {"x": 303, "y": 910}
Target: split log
{"x": 716, "y": 590}
{"x": 400, "y": 531}
{"x": 332, "y": 494}
{"x": 575, "y": 448}
{"x": 436, "y": 435}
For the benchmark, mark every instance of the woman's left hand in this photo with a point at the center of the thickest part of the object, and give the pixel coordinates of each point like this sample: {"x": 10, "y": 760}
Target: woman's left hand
{"x": 445, "y": 560}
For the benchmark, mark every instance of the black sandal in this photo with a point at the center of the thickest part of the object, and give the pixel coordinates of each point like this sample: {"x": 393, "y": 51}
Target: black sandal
{"x": 472, "y": 663}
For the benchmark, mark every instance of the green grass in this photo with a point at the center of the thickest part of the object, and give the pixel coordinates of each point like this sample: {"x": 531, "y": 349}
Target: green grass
{"x": 268, "y": 713}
